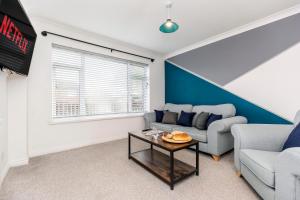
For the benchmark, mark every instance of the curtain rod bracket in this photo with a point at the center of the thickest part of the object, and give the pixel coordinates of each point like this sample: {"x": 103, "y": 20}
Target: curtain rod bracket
{"x": 44, "y": 33}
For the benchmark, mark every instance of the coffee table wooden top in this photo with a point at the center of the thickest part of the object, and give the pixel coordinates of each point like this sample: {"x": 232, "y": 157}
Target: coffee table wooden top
{"x": 162, "y": 144}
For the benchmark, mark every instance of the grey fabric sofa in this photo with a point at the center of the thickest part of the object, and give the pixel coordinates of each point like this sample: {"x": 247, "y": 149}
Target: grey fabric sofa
{"x": 258, "y": 157}
{"x": 217, "y": 139}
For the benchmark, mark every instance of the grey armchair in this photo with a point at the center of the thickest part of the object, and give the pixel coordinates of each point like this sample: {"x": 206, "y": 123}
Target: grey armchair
{"x": 258, "y": 157}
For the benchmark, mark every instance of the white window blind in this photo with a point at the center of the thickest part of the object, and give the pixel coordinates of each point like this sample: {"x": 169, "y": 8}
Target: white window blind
{"x": 87, "y": 84}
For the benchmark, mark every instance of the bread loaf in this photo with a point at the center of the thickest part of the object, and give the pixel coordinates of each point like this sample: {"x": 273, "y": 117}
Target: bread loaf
{"x": 181, "y": 136}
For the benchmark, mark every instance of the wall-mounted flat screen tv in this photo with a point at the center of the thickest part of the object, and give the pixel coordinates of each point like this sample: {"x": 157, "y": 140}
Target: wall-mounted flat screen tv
{"x": 17, "y": 37}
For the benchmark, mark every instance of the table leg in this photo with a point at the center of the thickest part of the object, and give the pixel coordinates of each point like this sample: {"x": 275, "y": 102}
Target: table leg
{"x": 151, "y": 146}
{"x": 129, "y": 146}
{"x": 172, "y": 170}
{"x": 197, "y": 159}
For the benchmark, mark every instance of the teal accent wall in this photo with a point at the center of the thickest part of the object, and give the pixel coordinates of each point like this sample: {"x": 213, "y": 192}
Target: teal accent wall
{"x": 183, "y": 87}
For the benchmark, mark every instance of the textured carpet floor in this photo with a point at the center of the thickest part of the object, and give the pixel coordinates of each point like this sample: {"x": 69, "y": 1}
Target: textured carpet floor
{"x": 104, "y": 172}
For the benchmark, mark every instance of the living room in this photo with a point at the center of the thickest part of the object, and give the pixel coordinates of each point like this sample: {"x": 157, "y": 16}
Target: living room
{"x": 149, "y": 99}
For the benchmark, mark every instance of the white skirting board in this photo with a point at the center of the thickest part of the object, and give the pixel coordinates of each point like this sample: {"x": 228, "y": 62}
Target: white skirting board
{"x": 3, "y": 174}
{"x": 19, "y": 162}
{"x": 13, "y": 163}
{"x": 72, "y": 146}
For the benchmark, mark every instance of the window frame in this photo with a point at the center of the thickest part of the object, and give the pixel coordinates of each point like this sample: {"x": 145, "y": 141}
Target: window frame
{"x": 87, "y": 118}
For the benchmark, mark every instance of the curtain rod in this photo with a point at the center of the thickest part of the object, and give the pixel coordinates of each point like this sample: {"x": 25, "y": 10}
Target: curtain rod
{"x": 45, "y": 33}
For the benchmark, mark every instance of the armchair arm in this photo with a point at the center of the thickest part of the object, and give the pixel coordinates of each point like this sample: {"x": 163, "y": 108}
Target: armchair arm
{"x": 268, "y": 137}
{"x": 287, "y": 174}
{"x": 219, "y": 139}
{"x": 149, "y": 118}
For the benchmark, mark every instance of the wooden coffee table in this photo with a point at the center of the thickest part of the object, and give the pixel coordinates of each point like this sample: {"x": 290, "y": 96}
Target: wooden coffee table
{"x": 165, "y": 167}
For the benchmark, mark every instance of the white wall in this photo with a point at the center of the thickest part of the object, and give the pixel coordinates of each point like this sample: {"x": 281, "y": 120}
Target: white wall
{"x": 17, "y": 120}
{"x": 44, "y": 137}
{"x": 3, "y": 126}
{"x": 273, "y": 85}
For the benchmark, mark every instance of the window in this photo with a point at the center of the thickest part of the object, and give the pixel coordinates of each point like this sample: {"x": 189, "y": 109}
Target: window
{"x": 87, "y": 84}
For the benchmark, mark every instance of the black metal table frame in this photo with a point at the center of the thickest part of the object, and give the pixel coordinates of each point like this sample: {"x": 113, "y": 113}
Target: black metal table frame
{"x": 172, "y": 182}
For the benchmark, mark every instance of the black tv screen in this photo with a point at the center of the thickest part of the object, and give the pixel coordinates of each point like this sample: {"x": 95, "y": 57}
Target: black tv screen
{"x": 17, "y": 37}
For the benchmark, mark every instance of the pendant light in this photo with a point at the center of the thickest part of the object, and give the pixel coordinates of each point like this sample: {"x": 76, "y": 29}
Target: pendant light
{"x": 169, "y": 26}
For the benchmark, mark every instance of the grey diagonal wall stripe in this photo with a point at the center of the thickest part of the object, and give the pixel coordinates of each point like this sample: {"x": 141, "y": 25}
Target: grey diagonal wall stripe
{"x": 228, "y": 59}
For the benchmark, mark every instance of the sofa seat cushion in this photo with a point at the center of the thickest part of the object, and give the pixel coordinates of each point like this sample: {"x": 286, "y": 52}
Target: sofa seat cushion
{"x": 261, "y": 164}
{"x": 200, "y": 135}
{"x": 163, "y": 127}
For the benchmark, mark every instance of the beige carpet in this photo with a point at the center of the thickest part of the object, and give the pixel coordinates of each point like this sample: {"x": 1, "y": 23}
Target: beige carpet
{"x": 104, "y": 172}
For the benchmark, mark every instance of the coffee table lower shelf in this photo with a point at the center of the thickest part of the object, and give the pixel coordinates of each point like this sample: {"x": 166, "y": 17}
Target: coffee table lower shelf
{"x": 158, "y": 164}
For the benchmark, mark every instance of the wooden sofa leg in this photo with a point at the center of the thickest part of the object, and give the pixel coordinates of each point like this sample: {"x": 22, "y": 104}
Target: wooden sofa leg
{"x": 216, "y": 158}
{"x": 238, "y": 173}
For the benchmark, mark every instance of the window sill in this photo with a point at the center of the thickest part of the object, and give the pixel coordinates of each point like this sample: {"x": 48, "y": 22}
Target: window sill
{"x": 93, "y": 118}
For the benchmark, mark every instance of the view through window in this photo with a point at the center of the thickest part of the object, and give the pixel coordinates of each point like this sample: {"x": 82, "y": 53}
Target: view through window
{"x": 88, "y": 84}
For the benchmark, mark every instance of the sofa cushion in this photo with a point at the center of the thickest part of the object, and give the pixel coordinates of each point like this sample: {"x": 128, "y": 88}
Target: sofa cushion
{"x": 200, "y": 122}
{"x": 159, "y": 114}
{"x": 178, "y": 108}
{"x": 186, "y": 118}
{"x": 163, "y": 127}
{"x": 226, "y": 110}
{"x": 170, "y": 118}
{"x": 212, "y": 117}
{"x": 261, "y": 164}
{"x": 293, "y": 139}
{"x": 297, "y": 118}
{"x": 200, "y": 135}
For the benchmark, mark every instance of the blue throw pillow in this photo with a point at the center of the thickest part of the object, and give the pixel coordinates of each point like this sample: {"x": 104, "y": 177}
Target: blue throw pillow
{"x": 212, "y": 117}
{"x": 293, "y": 139}
{"x": 186, "y": 118}
{"x": 159, "y": 114}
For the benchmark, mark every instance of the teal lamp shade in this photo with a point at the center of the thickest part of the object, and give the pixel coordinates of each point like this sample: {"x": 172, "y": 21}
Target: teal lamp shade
{"x": 169, "y": 26}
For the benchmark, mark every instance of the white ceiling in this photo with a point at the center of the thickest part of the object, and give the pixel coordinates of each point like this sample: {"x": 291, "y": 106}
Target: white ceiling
{"x": 137, "y": 21}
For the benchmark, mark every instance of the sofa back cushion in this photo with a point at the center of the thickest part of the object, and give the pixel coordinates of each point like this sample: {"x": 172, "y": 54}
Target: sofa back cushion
{"x": 200, "y": 120}
{"x": 226, "y": 110}
{"x": 170, "y": 118}
{"x": 212, "y": 117}
{"x": 297, "y": 118}
{"x": 186, "y": 118}
{"x": 293, "y": 139}
{"x": 159, "y": 114}
{"x": 178, "y": 108}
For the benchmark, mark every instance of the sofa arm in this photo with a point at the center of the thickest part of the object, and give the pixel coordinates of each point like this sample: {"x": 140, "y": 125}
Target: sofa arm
{"x": 219, "y": 139}
{"x": 149, "y": 118}
{"x": 287, "y": 174}
{"x": 224, "y": 125}
{"x": 268, "y": 137}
